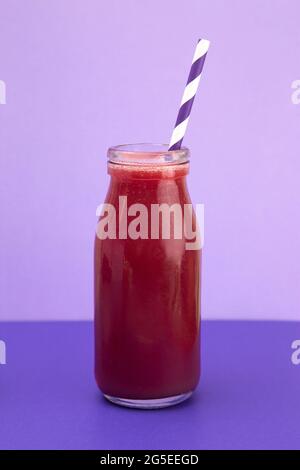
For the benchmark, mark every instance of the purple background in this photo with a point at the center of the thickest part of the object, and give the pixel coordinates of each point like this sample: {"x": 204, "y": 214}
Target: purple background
{"x": 82, "y": 75}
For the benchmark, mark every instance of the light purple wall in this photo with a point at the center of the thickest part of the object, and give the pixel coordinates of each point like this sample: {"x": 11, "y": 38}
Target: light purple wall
{"x": 83, "y": 74}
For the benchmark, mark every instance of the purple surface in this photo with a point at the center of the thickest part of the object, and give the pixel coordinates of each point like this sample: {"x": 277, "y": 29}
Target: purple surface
{"x": 248, "y": 396}
{"x": 82, "y": 75}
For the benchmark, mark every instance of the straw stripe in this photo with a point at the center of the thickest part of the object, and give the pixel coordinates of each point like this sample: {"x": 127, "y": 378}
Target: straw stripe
{"x": 196, "y": 66}
{"x": 189, "y": 94}
{"x": 184, "y": 111}
{"x": 190, "y": 90}
{"x": 178, "y": 133}
{"x": 201, "y": 49}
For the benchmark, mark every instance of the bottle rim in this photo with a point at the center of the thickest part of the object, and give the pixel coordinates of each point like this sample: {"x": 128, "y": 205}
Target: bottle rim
{"x": 145, "y": 154}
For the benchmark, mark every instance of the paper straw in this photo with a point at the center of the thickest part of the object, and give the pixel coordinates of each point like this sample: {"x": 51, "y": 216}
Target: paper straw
{"x": 189, "y": 94}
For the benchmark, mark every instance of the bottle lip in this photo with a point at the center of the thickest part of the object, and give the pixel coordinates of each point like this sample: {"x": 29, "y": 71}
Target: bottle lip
{"x": 147, "y": 154}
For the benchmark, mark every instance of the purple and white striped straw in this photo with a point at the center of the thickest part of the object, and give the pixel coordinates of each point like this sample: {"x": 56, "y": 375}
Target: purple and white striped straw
{"x": 189, "y": 94}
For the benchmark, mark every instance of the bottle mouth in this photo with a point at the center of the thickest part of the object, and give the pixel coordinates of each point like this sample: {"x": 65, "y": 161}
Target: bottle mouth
{"x": 147, "y": 154}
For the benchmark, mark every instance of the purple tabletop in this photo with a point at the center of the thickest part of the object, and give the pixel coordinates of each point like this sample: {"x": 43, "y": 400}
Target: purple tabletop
{"x": 248, "y": 397}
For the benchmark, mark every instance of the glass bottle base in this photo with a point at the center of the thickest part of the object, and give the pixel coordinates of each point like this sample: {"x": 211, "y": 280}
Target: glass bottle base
{"x": 149, "y": 404}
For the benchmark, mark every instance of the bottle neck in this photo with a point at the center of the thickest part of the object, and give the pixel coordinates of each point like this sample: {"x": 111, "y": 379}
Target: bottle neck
{"x": 148, "y": 172}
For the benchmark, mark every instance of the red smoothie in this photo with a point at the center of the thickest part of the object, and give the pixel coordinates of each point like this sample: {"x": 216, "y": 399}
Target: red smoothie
{"x": 147, "y": 312}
